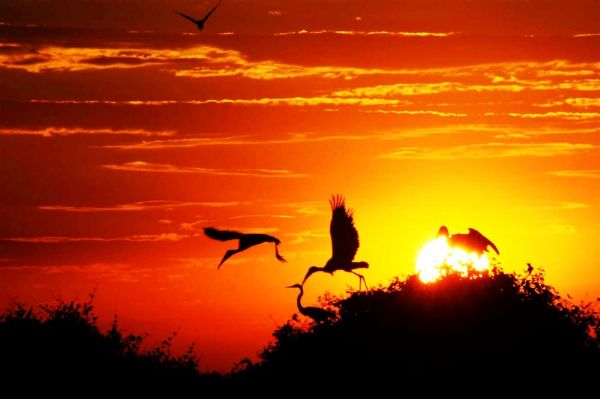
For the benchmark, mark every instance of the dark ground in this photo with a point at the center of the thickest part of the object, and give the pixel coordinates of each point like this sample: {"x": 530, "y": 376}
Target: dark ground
{"x": 496, "y": 334}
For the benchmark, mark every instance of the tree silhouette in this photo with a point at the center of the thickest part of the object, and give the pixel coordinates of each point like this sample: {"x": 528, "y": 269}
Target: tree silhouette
{"x": 60, "y": 349}
{"x": 486, "y": 333}
{"x": 494, "y": 329}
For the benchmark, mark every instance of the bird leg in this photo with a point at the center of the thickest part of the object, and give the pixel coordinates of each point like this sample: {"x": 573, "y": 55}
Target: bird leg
{"x": 361, "y": 279}
{"x": 228, "y": 254}
{"x": 278, "y": 256}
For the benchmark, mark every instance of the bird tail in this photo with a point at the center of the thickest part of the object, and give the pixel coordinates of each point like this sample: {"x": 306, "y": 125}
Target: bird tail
{"x": 278, "y": 256}
{"x": 222, "y": 235}
{"x": 360, "y": 265}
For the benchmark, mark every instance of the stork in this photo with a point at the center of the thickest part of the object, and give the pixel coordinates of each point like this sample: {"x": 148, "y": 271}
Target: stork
{"x": 245, "y": 241}
{"x": 344, "y": 243}
{"x": 319, "y": 315}
{"x": 473, "y": 241}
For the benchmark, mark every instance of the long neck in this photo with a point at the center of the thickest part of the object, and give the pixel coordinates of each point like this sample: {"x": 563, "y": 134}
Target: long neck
{"x": 319, "y": 269}
{"x": 300, "y": 307}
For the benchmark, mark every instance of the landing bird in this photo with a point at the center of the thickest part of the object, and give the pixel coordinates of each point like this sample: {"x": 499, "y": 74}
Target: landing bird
{"x": 344, "y": 243}
{"x": 245, "y": 241}
{"x": 474, "y": 240}
{"x": 317, "y": 314}
{"x": 199, "y": 22}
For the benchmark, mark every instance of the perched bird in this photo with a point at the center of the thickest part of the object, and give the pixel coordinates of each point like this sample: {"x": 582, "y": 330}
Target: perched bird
{"x": 199, "y": 22}
{"x": 319, "y": 315}
{"x": 529, "y": 268}
{"x": 344, "y": 243}
{"x": 529, "y": 271}
{"x": 473, "y": 241}
{"x": 245, "y": 241}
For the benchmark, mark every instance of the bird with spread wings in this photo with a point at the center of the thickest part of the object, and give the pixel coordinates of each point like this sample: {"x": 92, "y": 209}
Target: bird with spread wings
{"x": 472, "y": 241}
{"x": 344, "y": 243}
{"x": 199, "y": 22}
{"x": 245, "y": 241}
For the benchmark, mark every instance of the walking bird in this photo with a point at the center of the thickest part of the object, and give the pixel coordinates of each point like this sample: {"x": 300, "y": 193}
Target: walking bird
{"x": 319, "y": 315}
{"x": 473, "y": 241}
{"x": 198, "y": 22}
{"x": 245, "y": 241}
{"x": 344, "y": 243}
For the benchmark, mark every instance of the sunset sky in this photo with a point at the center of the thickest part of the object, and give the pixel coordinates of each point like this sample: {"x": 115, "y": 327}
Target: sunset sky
{"x": 124, "y": 130}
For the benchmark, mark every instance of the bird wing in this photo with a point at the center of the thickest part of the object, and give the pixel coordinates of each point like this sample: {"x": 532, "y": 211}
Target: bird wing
{"x": 482, "y": 239}
{"x": 222, "y": 235}
{"x": 210, "y": 12}
{"x": 344, "y": 237}
{"x": 186, "y": 16}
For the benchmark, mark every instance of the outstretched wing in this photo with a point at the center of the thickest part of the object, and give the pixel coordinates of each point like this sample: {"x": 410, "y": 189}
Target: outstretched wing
{"x": 483, "y": 240}
{"x": 186, "y": 17}
{"x": 210, "y": 12}
{"x": 222, "y": 235}
{"x": 344, "y": 237}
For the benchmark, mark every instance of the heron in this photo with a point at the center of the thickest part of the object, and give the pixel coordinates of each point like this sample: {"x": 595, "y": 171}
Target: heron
{"x": 344, "y": 243}
{"x": 474, "y": 240}
{"x": 245, "y": 241}
{"x": 319, "y": 315}
{"x": 199, "y": 22}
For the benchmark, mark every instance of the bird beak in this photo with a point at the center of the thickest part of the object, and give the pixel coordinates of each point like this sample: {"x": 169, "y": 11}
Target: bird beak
{"x": 290, "y": 286}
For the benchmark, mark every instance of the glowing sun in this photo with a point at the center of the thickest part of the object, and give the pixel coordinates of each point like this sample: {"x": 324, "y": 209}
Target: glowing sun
{"x": 438, "y": 258}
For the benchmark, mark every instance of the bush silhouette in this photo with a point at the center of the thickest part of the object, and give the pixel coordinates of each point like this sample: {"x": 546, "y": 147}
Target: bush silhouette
{"x": 507, "y": 332}
{"x": 497, "y": 329}
{"x": 62, "y": 348}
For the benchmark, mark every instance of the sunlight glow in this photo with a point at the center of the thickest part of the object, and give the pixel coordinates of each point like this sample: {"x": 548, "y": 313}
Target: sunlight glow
{"x": 438, "y": 258}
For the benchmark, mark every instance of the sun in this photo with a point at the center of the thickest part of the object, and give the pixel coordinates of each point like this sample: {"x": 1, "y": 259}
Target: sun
{"x": 438, "y": 258}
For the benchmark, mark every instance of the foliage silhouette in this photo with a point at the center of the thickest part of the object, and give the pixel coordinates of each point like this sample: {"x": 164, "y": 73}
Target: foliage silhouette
{"x": 496, "y": 329}
{"x": 503, "y": 331}
{"x": 62, "y": 347}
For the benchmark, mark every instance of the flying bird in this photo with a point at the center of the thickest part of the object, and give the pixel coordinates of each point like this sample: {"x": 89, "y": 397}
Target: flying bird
{"x": 344, "y": 243}
{"x": 245, "y": 241}
{"x": 474, "y": 240}
{"x": 319, "y": 315}
{"x": 199, "y": 22}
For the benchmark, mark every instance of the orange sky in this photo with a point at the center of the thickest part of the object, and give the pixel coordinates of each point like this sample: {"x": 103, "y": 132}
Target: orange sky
{"x": 124, "y": 131}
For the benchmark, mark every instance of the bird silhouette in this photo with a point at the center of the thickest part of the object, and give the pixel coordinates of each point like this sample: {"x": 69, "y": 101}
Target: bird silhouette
{"x": 473, "y": 241}
{"x": 245, "y": 241}
{"x": 529, "y": 271}
{"x": 344, "y": 243}
{"x": 319, "y": 315}
{"x": 199, "y": 22}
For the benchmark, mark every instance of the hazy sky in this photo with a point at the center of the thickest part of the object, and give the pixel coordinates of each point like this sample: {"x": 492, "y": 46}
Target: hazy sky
{"x": 124, "y": 131}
